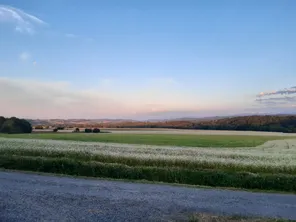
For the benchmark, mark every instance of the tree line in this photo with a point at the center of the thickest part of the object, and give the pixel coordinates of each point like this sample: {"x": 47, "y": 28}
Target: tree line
{"x": 14, "y": 125}
{"x": 269, "y": 123}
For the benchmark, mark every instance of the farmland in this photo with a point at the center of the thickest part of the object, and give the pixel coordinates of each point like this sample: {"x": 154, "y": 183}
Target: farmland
{"x": 164, "y": 137}
{"x": 249, "y": 162}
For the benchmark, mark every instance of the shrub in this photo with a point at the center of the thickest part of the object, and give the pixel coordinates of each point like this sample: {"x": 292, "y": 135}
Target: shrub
{"x": 216, "y": 178}
{"x": 88, "y": 130}
{"x": 55, "y": 130}
{"x": 96, "y": 130}
{"x": 76, "y": 130}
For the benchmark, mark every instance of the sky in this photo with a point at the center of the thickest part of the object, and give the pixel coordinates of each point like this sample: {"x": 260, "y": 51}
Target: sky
{"x": 147, "y": 59}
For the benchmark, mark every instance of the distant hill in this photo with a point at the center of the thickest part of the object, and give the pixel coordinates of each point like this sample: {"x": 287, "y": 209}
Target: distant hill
{"x": 74, "y": 122}
{"x": 275, "y": 123}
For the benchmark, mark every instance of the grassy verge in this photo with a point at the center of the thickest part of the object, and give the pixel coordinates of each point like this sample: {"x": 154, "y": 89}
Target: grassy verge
{"x": 143, "y": 181}
{"x": 202, "y": 217}
{"x": 156, "y": 139}
{"x": 214, "y": 178}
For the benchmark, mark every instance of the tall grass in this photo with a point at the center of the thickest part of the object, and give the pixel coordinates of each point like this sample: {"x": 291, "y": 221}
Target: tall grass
{"x": 271, "y": 166}
{"x": 271, "y": 157}
{"x": 155, "y": 162}
{"x": 171, "y": 175}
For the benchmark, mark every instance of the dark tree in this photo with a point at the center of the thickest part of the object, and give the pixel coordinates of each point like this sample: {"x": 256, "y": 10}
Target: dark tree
{"x": 15, "y": 125}
{"x": 96, "y": 130}
{"x": 2, "y": 120}
{"x": 87, "y": 130}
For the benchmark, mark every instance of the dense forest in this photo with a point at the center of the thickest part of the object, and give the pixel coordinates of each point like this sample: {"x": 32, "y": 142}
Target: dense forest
{"x": 285, "y": 124}
{"x": 272, "y": 123}
{"x": 14, "y": 125}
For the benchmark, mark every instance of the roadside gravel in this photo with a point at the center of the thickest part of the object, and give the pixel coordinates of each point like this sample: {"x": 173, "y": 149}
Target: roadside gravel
{"x": 30, "y": 197}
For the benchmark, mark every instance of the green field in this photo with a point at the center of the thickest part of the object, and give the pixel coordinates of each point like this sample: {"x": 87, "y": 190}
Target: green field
{"x": 156, "y": 139}
{"x": 186, "y": 159}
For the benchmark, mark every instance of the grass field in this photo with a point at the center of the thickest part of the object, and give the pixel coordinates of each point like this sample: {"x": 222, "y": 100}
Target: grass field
{"x": 269, "y": 166}
{"x": 156, "y": 139}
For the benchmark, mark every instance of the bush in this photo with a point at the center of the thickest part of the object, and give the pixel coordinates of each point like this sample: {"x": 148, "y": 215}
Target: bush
{"x": 96, "y": 130}
{"x": 55, "y": 130}
{"x": 88, "y": 130}
{"x": 15, "y": 125}
{"x": 76, "y": 130}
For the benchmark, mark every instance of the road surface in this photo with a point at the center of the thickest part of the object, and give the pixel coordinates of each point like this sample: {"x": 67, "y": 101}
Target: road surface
{"x": 29, "y": 197}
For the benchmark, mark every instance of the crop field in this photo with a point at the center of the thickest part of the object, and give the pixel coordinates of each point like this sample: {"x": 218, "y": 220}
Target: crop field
{"x": 173, "y": 139}
{"x": 257, "y": 162}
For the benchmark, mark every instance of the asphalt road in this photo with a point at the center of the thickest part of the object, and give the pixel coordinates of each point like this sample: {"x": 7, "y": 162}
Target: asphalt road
{"x": 29, "y": 197}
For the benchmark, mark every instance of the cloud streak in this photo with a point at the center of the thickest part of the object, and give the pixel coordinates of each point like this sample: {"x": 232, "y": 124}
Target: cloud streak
{"x": 24, "y": 56}
{"x": 26, "y": 23}
{"x": 70, "y": 35}
{"x": 22, "y": 21}
{"x": 73, "y": 36}
{"x": 280, "y": 99}
{"x": 287, "y": 91}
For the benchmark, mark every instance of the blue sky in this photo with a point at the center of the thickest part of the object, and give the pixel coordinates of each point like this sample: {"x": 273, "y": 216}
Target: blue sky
{"x": 147, "y": 59}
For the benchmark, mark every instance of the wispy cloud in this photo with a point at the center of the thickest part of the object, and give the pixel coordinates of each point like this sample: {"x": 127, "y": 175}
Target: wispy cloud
{"x": 70, "y": 35}
{"x": 23, "y": 22}
{"x": 74, "y": 36}
{"x": 27, "y": 57}
{"x": 287, "y": 91}
{"x": 24, "y": 56}
{"x": 279, "y": 99}
{"x": 89, "y": 39}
